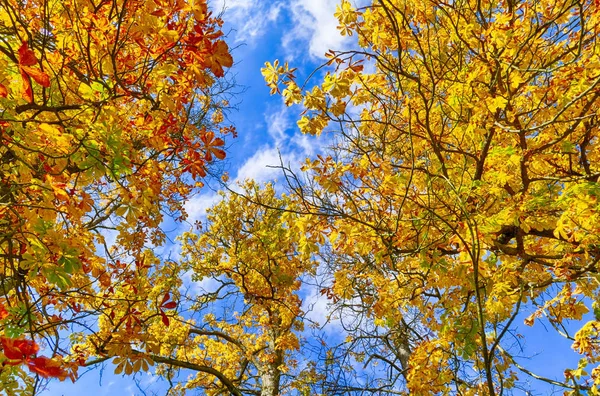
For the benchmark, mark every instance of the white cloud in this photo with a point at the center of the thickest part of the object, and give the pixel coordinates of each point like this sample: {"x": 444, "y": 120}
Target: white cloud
{"x": 314, "y": 21}
{"x": 313, "y": 25}
{"x": 203, "y": 286}
{"x": 277, "y": 124}
{"x": 317, "y": 309}
{"x": 208, "y": 285}
{"x": 259, "y": 167}
{"x": 196, "y": 206}
{"x": 287, "y": 147}
{"x": 249, "y": 18}
{"x": 285, "y": 135}
{"x": 309, "y": 145}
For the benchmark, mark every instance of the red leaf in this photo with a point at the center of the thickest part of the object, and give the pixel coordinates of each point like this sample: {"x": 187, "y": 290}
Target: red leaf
{"x": 165, "y": 298}
{"x": 38, "y": 76}
{"x": 26, "y": 56}
{"x": 3, "y": 91}
{"x": 18, "y": 348}
{"x": 47, "y": 368}
{"x": 165, "y": 319}
{"x": 169, "y": 305}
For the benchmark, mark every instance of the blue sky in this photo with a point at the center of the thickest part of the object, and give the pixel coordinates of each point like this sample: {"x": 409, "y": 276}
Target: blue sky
{"x": 299, "y": 31}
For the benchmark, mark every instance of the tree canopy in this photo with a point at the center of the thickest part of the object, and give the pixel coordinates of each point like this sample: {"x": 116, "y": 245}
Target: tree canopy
{"x": 461, "y": 187}
{"x": 456, "y": 204}
{"x": 108, "y": 112}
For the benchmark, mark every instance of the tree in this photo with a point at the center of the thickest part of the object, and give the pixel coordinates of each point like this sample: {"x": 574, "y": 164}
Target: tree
{"x": 235, "y": 327}
{"x": 461, "y": 190}
{"x": 110, "y": 115}
{"x": 252, "y": 252}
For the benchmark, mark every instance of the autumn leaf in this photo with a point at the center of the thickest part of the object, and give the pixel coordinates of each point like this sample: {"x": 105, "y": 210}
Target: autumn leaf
{"x": 3, "y": 312}
{"x": 159, "y": 12}
{"x": 26, "y": 56}
{"x": 200, "y": 10}
{"x": 212, "y": 144}
{"x": 219, "y": 58}
{"x": 271, "y": 75}
{"x": 47, "y": 368}
{"x": 26, "y": 59}
{"x": 166, "y": 298}
{"x": 165, "y": 318}
{"x": 18, "y": 348}
{"x": 166, "y": 304}
{"x": 26, "y": 87}
{"x": 37, "y": 75}
{"x": 3, "y": 91}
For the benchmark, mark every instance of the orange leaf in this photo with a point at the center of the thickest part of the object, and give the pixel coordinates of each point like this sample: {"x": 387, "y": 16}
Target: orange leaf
{"x": 220, "y": 154}
{"x": 38, "y": 76}
{"x": 3, "y": 91}
{"x": 27, "y": 91}
{"x": 356, "y": 68}
{"x": 3, "y": 312}
{"x": 160, "y": 12}
{"x": 26, "y": 56}
{"x": 218, "y": 142}
{"x": 47, "y": 368}
{"x": 220, "y": 58}
{"x": 211, "y": 146}
{"x": 208, "y": 137}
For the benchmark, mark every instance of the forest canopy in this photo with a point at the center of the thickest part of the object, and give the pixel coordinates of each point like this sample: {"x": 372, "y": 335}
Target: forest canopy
{"x": 454, "y": 205}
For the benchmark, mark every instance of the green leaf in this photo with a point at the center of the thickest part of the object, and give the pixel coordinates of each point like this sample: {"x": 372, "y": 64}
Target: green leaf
{"x": 70, "y": 264}
{"x": 13, "y": 331}
{"x": 58, "y": 276}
